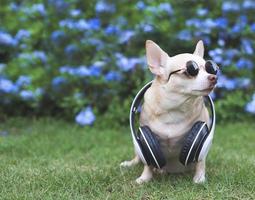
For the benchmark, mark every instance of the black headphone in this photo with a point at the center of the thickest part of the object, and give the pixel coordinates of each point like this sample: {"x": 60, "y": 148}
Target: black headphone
{"x": 196, "y": 144}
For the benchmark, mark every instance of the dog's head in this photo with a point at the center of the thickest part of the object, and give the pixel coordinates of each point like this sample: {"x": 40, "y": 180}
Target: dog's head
{"x": 185, "y": 73}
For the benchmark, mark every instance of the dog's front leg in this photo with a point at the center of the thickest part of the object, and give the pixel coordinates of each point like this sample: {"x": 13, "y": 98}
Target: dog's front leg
{"x": 130, "y": 163}
{"x": 146, "y": 175}
{"x": 199, "y": 176}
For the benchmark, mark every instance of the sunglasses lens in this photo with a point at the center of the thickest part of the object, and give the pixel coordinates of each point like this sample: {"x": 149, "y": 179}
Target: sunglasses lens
{"x": 211, "y": 67}
{"x": 192, "y": 68}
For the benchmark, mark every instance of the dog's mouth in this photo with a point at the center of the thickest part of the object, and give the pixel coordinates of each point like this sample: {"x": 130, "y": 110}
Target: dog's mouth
{"x": 206, "y": 90}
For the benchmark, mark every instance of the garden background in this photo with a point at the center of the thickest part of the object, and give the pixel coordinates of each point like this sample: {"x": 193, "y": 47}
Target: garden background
{"x": 82, "y": 62}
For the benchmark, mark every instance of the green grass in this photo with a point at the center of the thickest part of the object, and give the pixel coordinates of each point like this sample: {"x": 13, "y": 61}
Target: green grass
{"x": 51, "y": 159}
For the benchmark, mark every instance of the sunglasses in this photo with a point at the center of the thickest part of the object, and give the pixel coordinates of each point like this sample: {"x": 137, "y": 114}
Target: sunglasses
{"x": 192, "y": 68}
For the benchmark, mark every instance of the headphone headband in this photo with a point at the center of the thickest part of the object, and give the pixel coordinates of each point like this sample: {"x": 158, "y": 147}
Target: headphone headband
{"x": 137, "y": 101}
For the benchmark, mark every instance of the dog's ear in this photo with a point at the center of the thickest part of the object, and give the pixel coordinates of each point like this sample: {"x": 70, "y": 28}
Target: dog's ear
{"x": 156, "y": 58}
{"x": 199, "y": 49}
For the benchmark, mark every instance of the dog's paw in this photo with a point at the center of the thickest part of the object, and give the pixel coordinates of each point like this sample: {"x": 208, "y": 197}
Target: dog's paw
{"x": 142, "y": 180}
{"x": 199, "y": 179}
{"x": 126, "y": 164}
{"x": 159, "y": 171}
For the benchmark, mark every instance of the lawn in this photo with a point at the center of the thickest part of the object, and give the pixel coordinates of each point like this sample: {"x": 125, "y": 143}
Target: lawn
{"x": 53, "y": 159}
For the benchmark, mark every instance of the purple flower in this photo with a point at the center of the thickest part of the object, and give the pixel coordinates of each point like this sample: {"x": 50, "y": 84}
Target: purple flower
{"x": 121, "y": 21}
{"x": 26, "y": 56}
{"x": 99, "y": 64}
{"x": 206, "y": 40}
{"x": 209, "y": 23}
{"x": 231, "y": 53}
{"x": 27, "y": 95}
{"x": 39, "y": 92}
{"x": 204, "y": 26}
{"x": 221, "y": 22}
{"x": 252, "y": 27}
{"x": 59, "y": 80}
{"x": 111, "y": 29}
{"x": 221, "y": 42}
{"x": 154, "y": 10}
{"x": 166, "y": 7}
{"x": 14, "y": 6}
{"x": 147, "y": 28}
{"x": 184, "y": 35}
{"x": 234, "y": 83}
{"x": 213, "y": 95}
{"x": 40, "y": 55}
{"x": 94, "y": 24}
{"x": 140, "y": 5}
{"x": 81, "y": 24}
{"x": 85, "y": 117}
{"x": 124, "y": 63}
{"x": 230, "y": 6}
{"x": 97, "y": 43}
{"x": 240, "y": 24}
{"x": 57, "y": 35}
{"x": 248, "y": 4}
{"x": 202, "y": 11}
{"x": 35, "y": 8}
{"x": 2, "y": 67}
{"x": 59, "y": 5}
{"x": 250, "y": 106}
{"x": 95, "y": 70}
{"x": 243, "y": 19}
{"x": 126, "y": 35}
{"x": 247, "y": 46}
{"x": 216, "y": 55}
{"x": 216, "y": 51}
{"x": 244, "y": 63}
{"x": 82, "y": 71}
{"x": 65, "y": 69}
{"x": 38, "y": 8}
{"x": 7, "y": 40}
{"x": 4, "y": 133}
{"x": 194, "y": 22}
{"x": 113, "y": 76}
{"x": 226, "y": 62}
{"x": 7, "y": 86}
{"x": 22, "y": 33}
{"x": 243, "y": 82}
{"x": 69, "y": 23}
{"x": 70, "y": 49}
{"x": 75, "y": 12}
{"x": 127, "y": 64}
{"x": 103, "y": 6}
{"x": 237, "y": 28}
{"x": 23, "y": 80}
{"x": 198, "y": 33}
{"x": 224, "y": 82}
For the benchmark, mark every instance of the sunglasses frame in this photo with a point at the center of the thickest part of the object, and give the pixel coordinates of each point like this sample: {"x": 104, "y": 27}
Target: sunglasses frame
{"x": 198, "y": 69}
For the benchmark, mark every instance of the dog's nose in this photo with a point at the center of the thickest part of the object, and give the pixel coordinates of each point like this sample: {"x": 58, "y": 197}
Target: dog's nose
{"x": 213, "y": 79}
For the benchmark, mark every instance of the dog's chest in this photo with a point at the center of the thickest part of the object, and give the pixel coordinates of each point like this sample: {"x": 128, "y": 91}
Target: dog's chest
{"x": 171, "y": 146}
{"x": 171, "y": 134}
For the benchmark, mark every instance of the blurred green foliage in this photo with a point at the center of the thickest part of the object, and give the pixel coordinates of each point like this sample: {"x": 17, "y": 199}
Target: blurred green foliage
{"x": 74, "y": 54}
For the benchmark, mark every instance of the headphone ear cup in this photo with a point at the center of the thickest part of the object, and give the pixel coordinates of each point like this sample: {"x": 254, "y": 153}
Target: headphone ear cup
{"x": 193, "y": 143}
{"x": 144, "y": 149}
{"x": 151, "y": 147}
